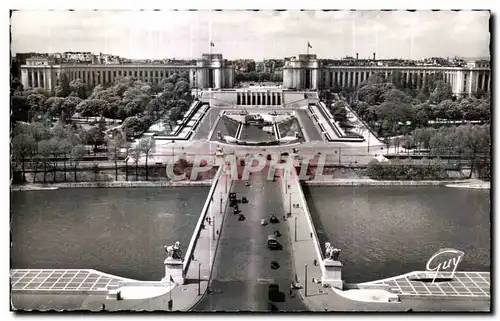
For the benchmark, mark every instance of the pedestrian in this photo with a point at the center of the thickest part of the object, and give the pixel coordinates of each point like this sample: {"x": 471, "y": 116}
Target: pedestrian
{"x": 103, "y": 307}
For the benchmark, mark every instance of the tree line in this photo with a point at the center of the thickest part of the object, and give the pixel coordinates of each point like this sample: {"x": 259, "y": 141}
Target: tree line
{"x": 36, "y": 139}
{"x": 44, "y": 147}
{"x": 257, "y": 76}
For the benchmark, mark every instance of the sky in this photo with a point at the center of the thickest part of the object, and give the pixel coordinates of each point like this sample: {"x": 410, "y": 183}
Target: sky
{"x": 254, "y": 34}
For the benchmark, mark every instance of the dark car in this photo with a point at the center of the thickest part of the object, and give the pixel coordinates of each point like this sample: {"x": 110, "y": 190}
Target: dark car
{"x": 274, "y": 293}
{"x": 274, "y": 219}
{"x": 272, "y": 243}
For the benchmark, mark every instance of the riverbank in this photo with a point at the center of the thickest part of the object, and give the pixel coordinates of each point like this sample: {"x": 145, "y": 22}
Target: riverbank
{"x": 472, "y": 184}
{"x": 475, "y": 184}
{"x": 55, "y": 186}
{"x": 372, "y": 182}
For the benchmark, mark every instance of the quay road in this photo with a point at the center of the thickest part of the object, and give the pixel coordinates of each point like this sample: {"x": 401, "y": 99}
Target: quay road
{"x": 242, "y": 272}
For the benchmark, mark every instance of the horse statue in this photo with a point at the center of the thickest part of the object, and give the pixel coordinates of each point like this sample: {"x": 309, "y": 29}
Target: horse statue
{"x": 331, "y": 253}
{"x": 173, "y": 251}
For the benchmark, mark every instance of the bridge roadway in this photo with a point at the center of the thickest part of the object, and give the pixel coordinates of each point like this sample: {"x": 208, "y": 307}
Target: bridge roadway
{"x": 242, "y": 270}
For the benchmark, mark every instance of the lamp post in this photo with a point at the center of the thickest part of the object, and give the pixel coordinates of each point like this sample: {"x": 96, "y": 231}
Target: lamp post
{"x": 199, "y": 279}
{"x": 213, "y": 228}
{"x": 305, "y": 281}
{"x": 220, "y": 203}
{"x": 290, "y": 203}
{"x": 295, "y": 228}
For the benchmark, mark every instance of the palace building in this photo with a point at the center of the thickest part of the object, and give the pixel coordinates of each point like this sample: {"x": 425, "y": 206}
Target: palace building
{"x": 306, "y": 72}
{"x": 211, "y": 71}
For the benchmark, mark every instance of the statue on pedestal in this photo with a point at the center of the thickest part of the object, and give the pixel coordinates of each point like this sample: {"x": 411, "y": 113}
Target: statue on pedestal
{"x": 173, "y": 251}
{"x": 331, "y": 253}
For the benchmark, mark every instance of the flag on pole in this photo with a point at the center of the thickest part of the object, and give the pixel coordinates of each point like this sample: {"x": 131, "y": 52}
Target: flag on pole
{"x": 212, "y": 44}
{"x": 171, "y": 279}
{"x": 309, "y": 45}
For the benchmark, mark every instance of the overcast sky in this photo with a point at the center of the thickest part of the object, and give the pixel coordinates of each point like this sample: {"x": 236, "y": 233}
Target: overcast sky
{"x": 257, "y": 35}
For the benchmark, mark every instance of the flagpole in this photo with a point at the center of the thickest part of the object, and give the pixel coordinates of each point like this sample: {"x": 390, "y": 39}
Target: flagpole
{"x": 308, "y": 49}
{"x": 210, "y": 32}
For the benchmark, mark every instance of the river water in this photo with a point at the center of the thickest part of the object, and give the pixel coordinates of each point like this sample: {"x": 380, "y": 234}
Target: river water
{"x": 387, "y": 231}
{"x": 114, "y": 230}
{"x": 382, "y": 231}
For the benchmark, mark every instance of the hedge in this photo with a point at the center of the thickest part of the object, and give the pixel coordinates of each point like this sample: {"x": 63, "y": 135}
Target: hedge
{"x": 406, "y": 172}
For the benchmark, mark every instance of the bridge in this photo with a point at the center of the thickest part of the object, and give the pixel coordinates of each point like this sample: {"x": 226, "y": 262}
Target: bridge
{"x": 227, "y": 265}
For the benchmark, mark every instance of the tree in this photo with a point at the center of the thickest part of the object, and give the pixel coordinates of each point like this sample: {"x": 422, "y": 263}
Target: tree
{"x": 78, "y": 88}
{"x": 445, "y": 109}
{"x": 395, "y": 108}
{"x": 181, "y": 88}
{"x": 77, "y": 153}
{"x": 23, "y": 146}
{"x": 35, "y": 102}
{"x": 39, "y": 132}
{"x": 484, "y": 110}
{"x": 45, "y": 149}
{"x": 53, "y": 105}
{"x": 373, "y": 94}
{"x": 147, "y": 146}
{"x": 68, "y": 107}
{"x": 474, "y": 139}
{"x": 467, "y": 109}
{"x": 339, "y": 112}
{"x": 441, "y": 92}
{"x": 115, "y": 144}
{"x": 136, "y": 154}
{"x": 95, "y": 137}
{"x": 20, "y": 110}
{"x": 422, "y": 114}
{"x": 64, "y": 85}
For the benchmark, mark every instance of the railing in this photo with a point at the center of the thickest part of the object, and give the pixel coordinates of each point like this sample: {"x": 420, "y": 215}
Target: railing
{"x": 294, "y": 179}
{"x": 193, "y": 110}
{"x": 331, "y": 122}
{"x": 197, "y": 230}
{"x": 277, "y": 131}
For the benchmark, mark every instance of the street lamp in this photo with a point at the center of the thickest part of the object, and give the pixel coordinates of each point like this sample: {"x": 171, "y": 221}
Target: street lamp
{"x": 199, "y": 279}
{"x": 305, "y": 281}
{"x": 213, "y": 228}
{"x": 295, "y": 228}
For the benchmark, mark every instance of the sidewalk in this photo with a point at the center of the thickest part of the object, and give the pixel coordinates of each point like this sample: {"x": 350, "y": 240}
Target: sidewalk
{"x": 186, "y": 296}
{"x": 304, "y": 250}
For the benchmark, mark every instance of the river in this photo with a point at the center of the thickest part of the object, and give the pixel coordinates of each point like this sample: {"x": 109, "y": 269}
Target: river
{"x": 387, "y": 231}
{"x": 114, "y": 230}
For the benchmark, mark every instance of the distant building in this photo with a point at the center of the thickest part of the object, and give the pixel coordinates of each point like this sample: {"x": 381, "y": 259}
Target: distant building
{"x": 70, "y": 56}
{"x": 306, "y": 72}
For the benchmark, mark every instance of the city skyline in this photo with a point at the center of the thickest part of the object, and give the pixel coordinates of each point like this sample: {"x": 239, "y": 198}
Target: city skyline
{"x": 243, "y": 34}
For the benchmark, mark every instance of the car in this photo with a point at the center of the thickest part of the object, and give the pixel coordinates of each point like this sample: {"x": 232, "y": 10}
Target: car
{"x": 274, "y": 219}
{"x": 241, "y": 217}
{"x": 244, "y": 200}
{"x": 272, "y": 243}
{"x": 263, "y": 222}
